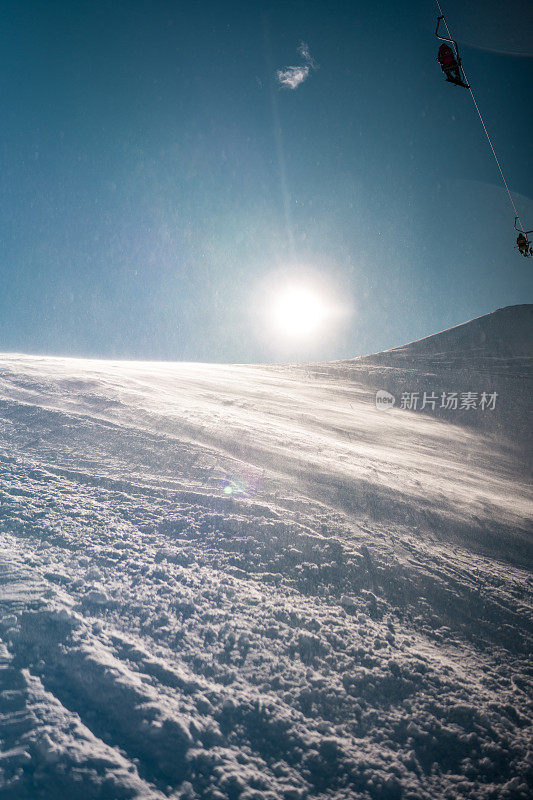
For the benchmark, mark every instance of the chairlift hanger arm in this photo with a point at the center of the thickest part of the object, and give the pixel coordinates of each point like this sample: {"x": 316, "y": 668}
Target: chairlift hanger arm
{"x": 521, "y": 230}
{"x": 446, "y": 39}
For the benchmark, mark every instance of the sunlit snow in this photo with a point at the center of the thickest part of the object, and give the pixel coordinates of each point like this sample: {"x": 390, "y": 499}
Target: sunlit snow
{"x": 248, "y": 582}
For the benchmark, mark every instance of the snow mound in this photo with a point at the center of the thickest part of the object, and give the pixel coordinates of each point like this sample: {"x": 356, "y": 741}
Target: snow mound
{"x": 491, "y": 354}
{"x": 505, "y": 334}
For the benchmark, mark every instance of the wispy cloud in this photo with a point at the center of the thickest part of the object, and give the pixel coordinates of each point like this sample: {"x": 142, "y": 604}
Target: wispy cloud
{"x": 292, "y": 77}
{"x": 303, "y": 49}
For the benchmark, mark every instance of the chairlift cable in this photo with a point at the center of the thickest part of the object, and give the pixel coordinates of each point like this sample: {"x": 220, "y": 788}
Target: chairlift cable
{"x": 484, "y": 126}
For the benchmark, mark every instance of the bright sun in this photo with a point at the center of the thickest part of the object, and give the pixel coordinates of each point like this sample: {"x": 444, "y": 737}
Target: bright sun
{"x": 298, "y": 312}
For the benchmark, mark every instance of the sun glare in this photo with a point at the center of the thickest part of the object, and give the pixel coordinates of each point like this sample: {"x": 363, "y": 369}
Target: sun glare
{"x": 298, "y": 312}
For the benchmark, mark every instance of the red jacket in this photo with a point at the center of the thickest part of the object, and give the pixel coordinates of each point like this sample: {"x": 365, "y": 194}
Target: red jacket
{"x": 446, "y": 55}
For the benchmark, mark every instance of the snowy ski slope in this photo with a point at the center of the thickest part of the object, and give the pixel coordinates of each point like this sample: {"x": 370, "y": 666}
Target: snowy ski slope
{"x": 249, "y": 583}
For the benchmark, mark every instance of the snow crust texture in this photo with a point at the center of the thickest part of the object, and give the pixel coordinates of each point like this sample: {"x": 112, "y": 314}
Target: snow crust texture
{"x": 249, "y": 583}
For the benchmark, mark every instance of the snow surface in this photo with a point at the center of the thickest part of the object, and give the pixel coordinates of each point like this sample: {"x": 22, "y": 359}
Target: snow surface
{"x": 248, "y": 583}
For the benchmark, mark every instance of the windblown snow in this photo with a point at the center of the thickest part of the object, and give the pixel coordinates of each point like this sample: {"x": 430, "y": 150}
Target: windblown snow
{"x": 250, "y": 583}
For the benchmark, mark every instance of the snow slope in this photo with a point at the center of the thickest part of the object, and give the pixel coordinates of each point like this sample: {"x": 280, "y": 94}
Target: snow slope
{"x": 242, "y": 582}
{"x": 493, "y": 353}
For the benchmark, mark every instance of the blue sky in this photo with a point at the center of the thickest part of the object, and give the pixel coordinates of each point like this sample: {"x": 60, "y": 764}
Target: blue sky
{"x": 155, "y": 173}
